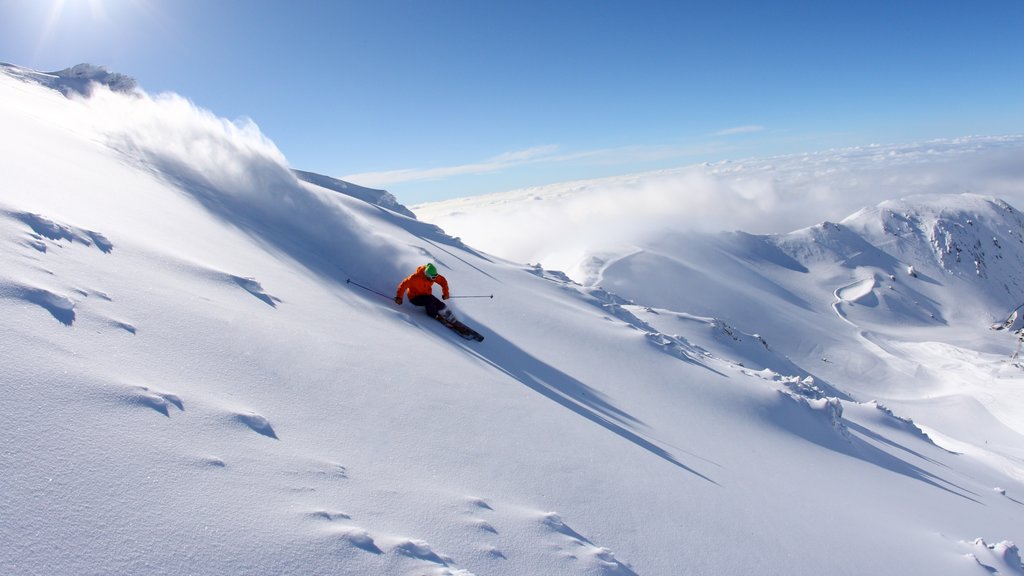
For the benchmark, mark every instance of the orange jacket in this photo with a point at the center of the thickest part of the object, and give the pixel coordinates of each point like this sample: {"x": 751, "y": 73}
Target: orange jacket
{"x": 418, "y": 284}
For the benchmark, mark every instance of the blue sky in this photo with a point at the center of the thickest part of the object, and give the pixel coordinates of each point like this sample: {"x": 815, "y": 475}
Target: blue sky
{"x": 448, "y": 98}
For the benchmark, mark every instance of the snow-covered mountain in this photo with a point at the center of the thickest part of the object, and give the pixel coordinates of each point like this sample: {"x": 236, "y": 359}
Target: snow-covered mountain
{"x": 912, "y": 285}
{"x": 80, "y": 79}
{"x": 193, "y": 383}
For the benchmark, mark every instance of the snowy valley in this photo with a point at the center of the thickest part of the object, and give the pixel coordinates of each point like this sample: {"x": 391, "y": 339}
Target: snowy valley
{"x": 192, "y": 384}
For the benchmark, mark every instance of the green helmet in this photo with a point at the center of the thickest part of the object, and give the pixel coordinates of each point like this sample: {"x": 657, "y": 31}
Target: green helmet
{"x": 430, "y": 271}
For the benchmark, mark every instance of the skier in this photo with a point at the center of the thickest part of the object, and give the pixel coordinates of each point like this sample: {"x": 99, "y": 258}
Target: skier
{"x": 420, "y": 285}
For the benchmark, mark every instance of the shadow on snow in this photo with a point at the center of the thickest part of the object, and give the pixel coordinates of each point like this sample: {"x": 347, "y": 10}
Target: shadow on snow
{"x": 569, "y": 393}
{"x": 855, "y": 444}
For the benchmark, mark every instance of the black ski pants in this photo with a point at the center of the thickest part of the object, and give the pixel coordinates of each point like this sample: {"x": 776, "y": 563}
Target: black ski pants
{"x": 430, "y": 302}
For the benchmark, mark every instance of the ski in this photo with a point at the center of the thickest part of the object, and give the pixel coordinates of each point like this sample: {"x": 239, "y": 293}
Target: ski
{"x": 460, "y": 328}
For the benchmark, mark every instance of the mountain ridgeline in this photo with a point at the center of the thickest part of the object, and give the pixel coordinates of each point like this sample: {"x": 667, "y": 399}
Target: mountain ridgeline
{"x": 925, "y": 261}
{"x": 971, "y": 239}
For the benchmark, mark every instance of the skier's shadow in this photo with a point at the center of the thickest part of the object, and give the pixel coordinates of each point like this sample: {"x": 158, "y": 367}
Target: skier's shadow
{"x": 568, "y": 392}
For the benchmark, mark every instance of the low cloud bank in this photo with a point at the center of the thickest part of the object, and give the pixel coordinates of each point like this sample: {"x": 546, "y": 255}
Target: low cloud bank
{"x": 559, "y": 225}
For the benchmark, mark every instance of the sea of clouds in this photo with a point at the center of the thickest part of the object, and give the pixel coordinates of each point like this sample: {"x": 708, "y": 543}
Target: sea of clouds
{"x": 560, "y": 224}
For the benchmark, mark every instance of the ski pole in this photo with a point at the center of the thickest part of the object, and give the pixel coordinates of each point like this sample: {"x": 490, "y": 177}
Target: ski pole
{"x": 488, "y": 296}
{"x": 349, "y": 281}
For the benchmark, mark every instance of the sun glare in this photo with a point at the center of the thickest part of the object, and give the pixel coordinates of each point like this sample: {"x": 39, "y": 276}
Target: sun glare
{"x": 56, "y": 12}
{"x": 95, "y": 10}
{"x": 68, "y": 22}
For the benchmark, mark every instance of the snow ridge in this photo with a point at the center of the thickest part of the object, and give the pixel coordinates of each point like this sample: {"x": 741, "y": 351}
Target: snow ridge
{"x": 380, "y": 198}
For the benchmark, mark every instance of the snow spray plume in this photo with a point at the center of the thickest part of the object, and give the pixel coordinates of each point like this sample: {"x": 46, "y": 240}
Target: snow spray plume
{"x": 241, "y": 176}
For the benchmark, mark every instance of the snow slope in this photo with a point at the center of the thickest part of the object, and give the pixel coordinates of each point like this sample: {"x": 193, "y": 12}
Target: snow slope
{"x": 912, "y": 284}
{"x": 192, "y": 386}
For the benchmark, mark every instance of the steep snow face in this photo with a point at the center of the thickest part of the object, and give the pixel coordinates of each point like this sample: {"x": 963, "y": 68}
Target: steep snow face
{"x": 191, "y": 385}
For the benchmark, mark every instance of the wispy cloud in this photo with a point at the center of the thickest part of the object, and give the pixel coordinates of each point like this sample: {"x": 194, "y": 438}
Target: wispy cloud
{"x": 549, "y": 154}
{"x": 746, "y": 129}
{"x": 537, "y": 153}
{"x": 495, "y": 164}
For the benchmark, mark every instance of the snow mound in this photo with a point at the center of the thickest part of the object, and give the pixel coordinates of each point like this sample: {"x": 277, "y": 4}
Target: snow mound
{"x": 1002, "y": 558}
{"x": 44, "y": 228}
{"x": 861, "y": 292}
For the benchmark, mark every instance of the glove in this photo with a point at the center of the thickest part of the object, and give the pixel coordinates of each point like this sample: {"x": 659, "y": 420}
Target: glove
{"x": 398, "y": 300}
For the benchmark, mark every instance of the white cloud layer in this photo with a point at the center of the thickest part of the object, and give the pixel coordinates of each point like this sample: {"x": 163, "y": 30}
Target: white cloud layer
{"x": 560, "y": 224}
{"x": 497, "y": 163}
{"x": 549, "y": 154}
{"x": 747, "y": 129}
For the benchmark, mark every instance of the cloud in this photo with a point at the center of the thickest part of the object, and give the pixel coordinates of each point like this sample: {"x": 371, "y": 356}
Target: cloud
{"x": 561, "y": 224}
{"x": 549, "y": 154}
{"x": 529, "y": 155}
{"x": 747, "y": 129}
{"x": 495, "y": 164}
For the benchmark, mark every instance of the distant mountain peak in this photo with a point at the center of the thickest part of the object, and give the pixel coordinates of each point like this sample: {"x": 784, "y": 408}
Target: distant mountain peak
{"x": 963, "y": 234}
{"x": 78, "y": 79}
